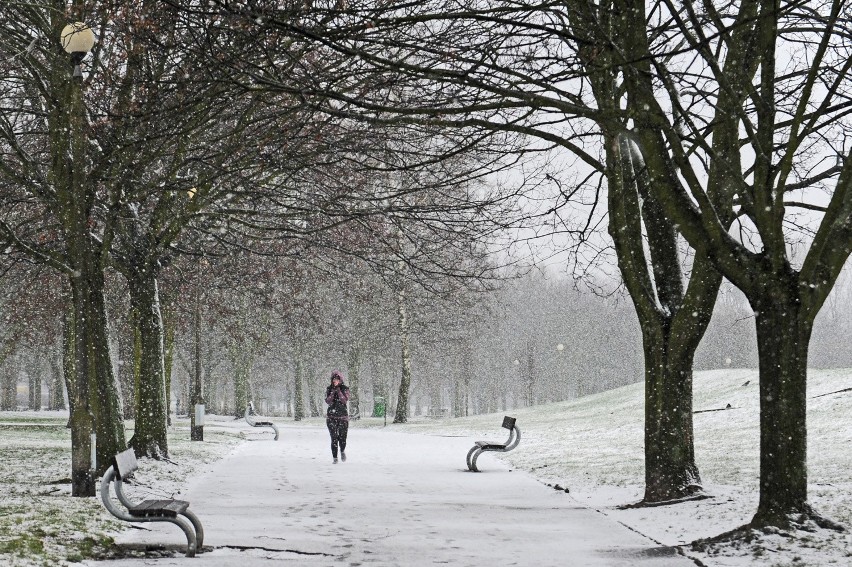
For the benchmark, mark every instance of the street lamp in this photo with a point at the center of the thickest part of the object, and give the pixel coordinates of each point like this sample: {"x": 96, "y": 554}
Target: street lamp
{"x": 559, "y": 348}
{"x": 196, "y": 392}
{"x": 77, "y": 39}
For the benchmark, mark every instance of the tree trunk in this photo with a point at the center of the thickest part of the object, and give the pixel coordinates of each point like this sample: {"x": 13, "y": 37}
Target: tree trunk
{"x": 783, "y": 335}
{"x": 354, "y": 379}
{"x": 7, "y": 389}
{"x": 97, "y": 404}
{"x": 530, "y": 377}
{"x": 401, "y": 414}
{"x": 128, "y": 367}
{"x": 82, "y": 420}
{"x": 149, "y": 438}
{"x": 241, "y": 385}
{"x": 672, "y": 320}
{"x": 313, "y": 401}
{"x": 97, "y": 384}
{"x": 57, "y": 390}
{"x": 68, "y": 356}
{"x": 670, "y": 469}
{"x": 298, "y": 395}
{"x": 34, "y": 381}
{"x": 168, "y": 365}
{"x": 457, "y": 395}
{"x": 196, "y": 391}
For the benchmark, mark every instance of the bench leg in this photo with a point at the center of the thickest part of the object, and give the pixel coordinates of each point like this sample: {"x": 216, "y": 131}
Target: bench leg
{"x": 276, "y": 431}
{"x": 187, "y": 529}
{"x": 199, "y": 530}
{"x": 471, "y": 458}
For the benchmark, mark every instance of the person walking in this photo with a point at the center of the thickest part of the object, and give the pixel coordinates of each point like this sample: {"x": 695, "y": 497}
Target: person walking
{"x": 337, "y": 418}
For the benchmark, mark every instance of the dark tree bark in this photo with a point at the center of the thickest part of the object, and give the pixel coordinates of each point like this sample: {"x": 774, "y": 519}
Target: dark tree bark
{"x": 8, "y": 389}
{"x": 401, "y": 414}
{"x": 783, "y": 334}
{"x": 298, "y": 394}
{"x": 672, "y": 320}
{"x": 785, "y": 300}
{"x": 149, "y": 438}
{"x": 354, "y": 369}
{"x": 97, "y": 406}
{"x": 57, "y": 383}
{"x": 242, "y": 396}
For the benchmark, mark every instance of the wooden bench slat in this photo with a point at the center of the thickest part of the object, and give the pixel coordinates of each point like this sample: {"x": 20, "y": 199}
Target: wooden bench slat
{"x": 149, "y": 508}
{"x": 490, "y": 445}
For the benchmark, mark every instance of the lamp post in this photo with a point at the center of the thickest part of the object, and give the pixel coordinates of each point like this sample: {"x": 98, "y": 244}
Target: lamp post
{"x": 196, "y": 394}
{"x": 559, "y": 348}
{"x": 77, "y": 40}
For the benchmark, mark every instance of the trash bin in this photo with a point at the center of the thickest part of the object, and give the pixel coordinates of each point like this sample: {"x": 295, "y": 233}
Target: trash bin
{"x": 378, "y": 406}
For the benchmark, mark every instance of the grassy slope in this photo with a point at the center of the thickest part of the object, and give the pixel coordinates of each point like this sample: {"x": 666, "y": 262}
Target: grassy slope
{"x": 594, "y": 446}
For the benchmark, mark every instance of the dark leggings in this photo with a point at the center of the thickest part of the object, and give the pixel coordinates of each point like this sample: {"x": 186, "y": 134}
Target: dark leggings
{"x": 338, "y": 429}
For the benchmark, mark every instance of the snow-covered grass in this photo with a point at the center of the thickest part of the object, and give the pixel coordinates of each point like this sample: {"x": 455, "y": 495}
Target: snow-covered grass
{"x": 40, "y": 523}
{"x": 592, "y": 446}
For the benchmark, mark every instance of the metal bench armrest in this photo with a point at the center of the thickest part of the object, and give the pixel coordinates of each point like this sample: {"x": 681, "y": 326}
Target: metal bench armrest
{"x": 512, "y": 443}
{"x": 189, "y": 523}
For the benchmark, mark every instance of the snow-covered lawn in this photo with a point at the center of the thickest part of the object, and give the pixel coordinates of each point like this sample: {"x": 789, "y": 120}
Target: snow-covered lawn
{"x": 592, "y": 446}
{"x": 40, "y": 524}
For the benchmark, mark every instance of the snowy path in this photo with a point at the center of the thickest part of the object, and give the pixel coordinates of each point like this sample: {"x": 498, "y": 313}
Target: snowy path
{"x": 400, "y": 500}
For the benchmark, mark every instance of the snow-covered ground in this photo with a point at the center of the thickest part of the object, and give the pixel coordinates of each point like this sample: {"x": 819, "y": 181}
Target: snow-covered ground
{"x": 592, "y": 446}
{"x": 401, "y": 499}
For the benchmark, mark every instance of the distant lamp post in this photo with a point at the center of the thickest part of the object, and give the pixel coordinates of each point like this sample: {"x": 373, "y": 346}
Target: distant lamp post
{"x": 196, "y": 392}
{"x": 78, "y": 40}
{"x": 196, "y": 426}
{"x": 559, "y": 348}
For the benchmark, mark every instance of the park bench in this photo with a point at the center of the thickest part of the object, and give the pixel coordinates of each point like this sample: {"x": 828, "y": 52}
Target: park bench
{"x": 482, "y": 446}
{"x": 122, "y": 469}
{"x": 257, "y": 421}
{"x": 437, "y": 413}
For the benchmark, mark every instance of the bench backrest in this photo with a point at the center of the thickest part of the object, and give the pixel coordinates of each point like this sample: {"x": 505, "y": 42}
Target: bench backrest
{"x": 508, "y": 422}
{"x": 125, "y": 464}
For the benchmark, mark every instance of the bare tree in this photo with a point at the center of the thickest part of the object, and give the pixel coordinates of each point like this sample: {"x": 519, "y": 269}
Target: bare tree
{"x": 522, "y": 70}
{"x": 671, "y": 103}
{"x": 729, "y": 91}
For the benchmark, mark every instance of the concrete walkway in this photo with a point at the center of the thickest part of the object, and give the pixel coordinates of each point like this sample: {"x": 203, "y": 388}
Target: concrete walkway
{"x": 400, "y": 500}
